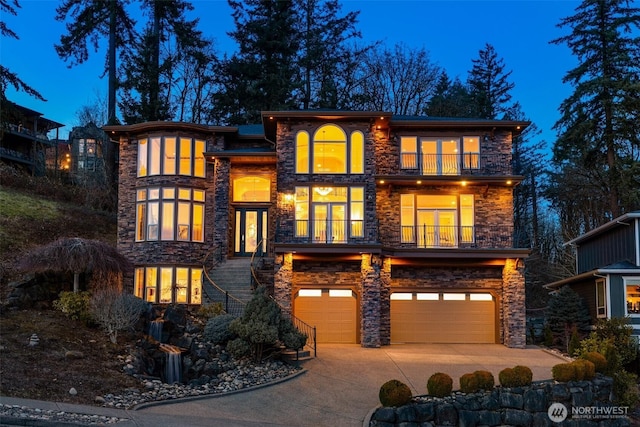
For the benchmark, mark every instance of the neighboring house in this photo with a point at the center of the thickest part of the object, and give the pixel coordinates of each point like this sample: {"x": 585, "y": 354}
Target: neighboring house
{"x": 608, "y": 270}
{"x": 381, "y": 228}
{"x": 24, "y": 141}
{"x": 93, "y": 157}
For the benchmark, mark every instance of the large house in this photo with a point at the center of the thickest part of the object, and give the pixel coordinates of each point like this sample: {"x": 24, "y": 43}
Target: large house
{"x": 381, "y": 228}
{"x": 608, "y": 270}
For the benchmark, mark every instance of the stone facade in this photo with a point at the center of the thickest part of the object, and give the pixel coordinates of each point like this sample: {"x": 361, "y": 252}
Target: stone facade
{"x": 373, "y": 265}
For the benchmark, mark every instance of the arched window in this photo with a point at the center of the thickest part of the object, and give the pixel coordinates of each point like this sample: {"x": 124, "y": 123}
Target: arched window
{"x": 329, "y": 150}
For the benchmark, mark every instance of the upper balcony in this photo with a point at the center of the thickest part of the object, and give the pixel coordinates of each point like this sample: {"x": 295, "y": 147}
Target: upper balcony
{"x": 467, "y": 164}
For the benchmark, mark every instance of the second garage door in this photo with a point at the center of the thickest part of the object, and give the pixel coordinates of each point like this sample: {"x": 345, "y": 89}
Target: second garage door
{"x": 443, "y": 317}
{"x": 331, "y": 311}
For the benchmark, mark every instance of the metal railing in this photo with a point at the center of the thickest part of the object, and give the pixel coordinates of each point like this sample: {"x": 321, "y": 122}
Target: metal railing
{"x": 325, "y": 231}
{"x": 230, "y": 304}
{"x": 473, "y": 237}
{"x": 457, "y": 164}
{"x": 299, "y": 324}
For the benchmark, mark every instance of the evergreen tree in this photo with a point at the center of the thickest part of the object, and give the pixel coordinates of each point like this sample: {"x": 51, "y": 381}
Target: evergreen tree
{"x": 566, "y": 311}
{"x": 92, "y": 19}
{"x": 599, "y": 127}
{"x": 450, "y": 99}
{"x": 489, "y": 85}
{"x": 261, "y": 76}
{"x": 148, "y": 71}
{"x": 7, "y": 77}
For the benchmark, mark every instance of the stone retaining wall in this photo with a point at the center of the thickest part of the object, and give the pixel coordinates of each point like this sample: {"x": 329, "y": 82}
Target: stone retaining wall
{"x": 518, "y": 406}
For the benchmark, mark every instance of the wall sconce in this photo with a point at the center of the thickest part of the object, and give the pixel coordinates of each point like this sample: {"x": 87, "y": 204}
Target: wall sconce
{"x": 288, "y": 197}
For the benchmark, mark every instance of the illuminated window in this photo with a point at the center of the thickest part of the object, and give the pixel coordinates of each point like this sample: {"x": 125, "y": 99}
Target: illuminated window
{"x": 302, "y": 152}
{"x": 329, "y": 214}
{"x": 251, "y": 189}
{"x": 632, "y": 288}
{"x": 601, "y": 298}
{"x": 471, "y": 152}
{"x": 169, "y": 285}
{"x": 408, "y": 152}
{"x": 169, "y": 155}
{"x": 437, "y": 220}
{"x": 162, "y": 215}
{"x": 330, "y": 151}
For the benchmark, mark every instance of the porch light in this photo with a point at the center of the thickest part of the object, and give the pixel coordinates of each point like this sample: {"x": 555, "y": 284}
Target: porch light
{"x": 463, "y": 183}
{"x": 288, "y": 197}
{"x": 418, "y": 182}
{"x": 382, "y": 181}
{"x": 508, "y": 182}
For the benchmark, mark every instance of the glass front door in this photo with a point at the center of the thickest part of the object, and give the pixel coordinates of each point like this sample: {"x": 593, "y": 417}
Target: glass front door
{"x": 436, "y": 228}
{"x": 250, "y": 231}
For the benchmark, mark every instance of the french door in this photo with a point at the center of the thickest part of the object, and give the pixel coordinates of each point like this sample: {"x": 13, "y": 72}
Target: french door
{"x": 439, "y": 157}
{"x": 329, "y": 222}
{"x": 250, "y": 231}
{"x": 436, "y": 228}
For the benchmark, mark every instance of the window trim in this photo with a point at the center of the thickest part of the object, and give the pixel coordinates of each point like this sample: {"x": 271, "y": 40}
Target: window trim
{"x": 350, "y": 146}
{"x": 602, "y": 305}
{"x": 151, "y": 162}
{"x": 635, "y": 281}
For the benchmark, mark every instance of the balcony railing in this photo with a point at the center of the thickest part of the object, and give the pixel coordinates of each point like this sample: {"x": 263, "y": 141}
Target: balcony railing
{"x": 324, "y": 231}
{"x": 408, "y": 237}
{"x": 457, "y": 164}
{"x": 430, "y": 236}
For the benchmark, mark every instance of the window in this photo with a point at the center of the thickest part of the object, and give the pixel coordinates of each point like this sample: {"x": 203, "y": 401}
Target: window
{"x": 330, "y": 151}
{"x": 632, "y": 288}
{"x": 439, "y": 156}
{"x": 169, "y": 155}
{"x": 329, "y": 214}
{"x": 601, "y": 298}
{"x": 251, "y": 189}
{"x": 167, "y": 214}
{"x": 168, "y": 285}
{"x": 436, "y": 220}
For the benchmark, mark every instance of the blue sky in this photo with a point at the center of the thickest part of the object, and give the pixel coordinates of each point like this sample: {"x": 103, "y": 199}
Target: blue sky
{"x": 452, "y": 32}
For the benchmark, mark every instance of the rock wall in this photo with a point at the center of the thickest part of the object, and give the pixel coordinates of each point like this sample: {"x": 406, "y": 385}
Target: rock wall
{"x": 518, "y": 406}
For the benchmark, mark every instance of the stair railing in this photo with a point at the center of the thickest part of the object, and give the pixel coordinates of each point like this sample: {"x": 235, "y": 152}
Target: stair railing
{"x": 230, "y": 304}
{"x": 299, "y": 324}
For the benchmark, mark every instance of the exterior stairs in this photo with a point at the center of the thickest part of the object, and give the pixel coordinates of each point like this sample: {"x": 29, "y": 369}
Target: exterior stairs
{"x": 234, "y": 277}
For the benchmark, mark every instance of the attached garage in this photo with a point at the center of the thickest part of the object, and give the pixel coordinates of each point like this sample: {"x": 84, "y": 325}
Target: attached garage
{"x": 443, "y": 317}
{"x": 332, "y": 311}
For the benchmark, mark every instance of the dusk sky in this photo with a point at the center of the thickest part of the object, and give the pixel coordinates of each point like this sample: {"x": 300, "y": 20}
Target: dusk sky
{"x": 451, "y": 31}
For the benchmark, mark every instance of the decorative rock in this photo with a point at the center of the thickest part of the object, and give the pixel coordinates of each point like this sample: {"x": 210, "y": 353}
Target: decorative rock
{"x": 72, "y": 354}
{"x": 99, "y": 400}
{"x": 73, "y": 391}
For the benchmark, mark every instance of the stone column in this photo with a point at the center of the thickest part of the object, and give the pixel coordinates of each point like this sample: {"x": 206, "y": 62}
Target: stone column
{"x": 370, "y": 301}
{"x": 283, "y": 276}
{"x": 513, "y": 305}
{"x": 220, "y": 224}
{"x": 385, "y": 302}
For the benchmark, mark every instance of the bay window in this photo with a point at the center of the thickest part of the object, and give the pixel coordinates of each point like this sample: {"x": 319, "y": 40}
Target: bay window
{"x": 170, "y": 214}
{"x": 168, "y": 155}
{"x": 168, "y": 284}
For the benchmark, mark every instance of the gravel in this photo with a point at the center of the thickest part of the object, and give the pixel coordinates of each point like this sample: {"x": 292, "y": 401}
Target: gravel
{"x": 245, "y": 375}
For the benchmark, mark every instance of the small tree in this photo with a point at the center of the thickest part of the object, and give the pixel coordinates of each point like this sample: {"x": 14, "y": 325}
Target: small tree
{"x": 566, "y": 310}
{"x": 262, "y": 325}
{"x": 115, "y": 311}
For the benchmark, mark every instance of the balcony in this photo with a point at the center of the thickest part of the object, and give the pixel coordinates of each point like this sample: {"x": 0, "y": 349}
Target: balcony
{"x": 467, "y": 164}
{"x": 343, "y": 232}
{"x": 461, "y": 237}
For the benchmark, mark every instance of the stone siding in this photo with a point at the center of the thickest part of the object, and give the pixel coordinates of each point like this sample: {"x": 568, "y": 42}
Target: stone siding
{"x": 522, "y": 406}
{"x": 514, "y": 310}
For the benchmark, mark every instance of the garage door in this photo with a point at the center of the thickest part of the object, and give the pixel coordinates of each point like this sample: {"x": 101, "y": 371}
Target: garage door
{"x": 442, "y": 317}
{"x": 331, "y": 311}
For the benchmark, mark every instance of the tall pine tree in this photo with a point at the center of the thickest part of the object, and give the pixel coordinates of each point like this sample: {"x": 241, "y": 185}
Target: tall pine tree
{"x": 489, "y": 85}
{"x": 599, "y": 127}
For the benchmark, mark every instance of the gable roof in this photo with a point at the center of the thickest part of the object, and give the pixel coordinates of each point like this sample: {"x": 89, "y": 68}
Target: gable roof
{"x": 605, "y": 227}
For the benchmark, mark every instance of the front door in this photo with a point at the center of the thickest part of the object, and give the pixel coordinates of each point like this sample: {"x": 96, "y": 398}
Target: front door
{"x": 250, "y": 231}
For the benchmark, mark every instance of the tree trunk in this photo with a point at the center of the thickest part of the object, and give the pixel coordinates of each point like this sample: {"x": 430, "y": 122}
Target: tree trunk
{"x": 76, "y": 282}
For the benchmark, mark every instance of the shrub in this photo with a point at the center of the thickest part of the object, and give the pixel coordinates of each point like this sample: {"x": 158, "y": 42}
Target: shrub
{"x": 574, "y": 342}
{"x": 469, "y": 383}
{"x": 115, "y": 311}
{"x": 625, "y": 389}
{"x": 564, "y": 372}
{"x": 440, "y": 385}
{"x": 585, "y": 370}
{"x": 507, "y": 377}
{"x": 217, "y": 331}
{"x": 566, "y": 310}
{"x": 612, "y": 338}
{"x": 75, "y": 305}
{"x": 485, "y": 380}
{"x": 290, "y": 336}
{"x": 523, "y": 374}
{"x": 598, "y": 360}
{"x": 238, "y": 348}
{"x": 394, "y": 393}
{"x": 548, "y": 336}
{"x": 210, "y": 310}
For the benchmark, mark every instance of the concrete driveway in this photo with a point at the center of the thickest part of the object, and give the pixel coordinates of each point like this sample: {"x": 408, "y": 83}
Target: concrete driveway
{"x": 341, "y": 385}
